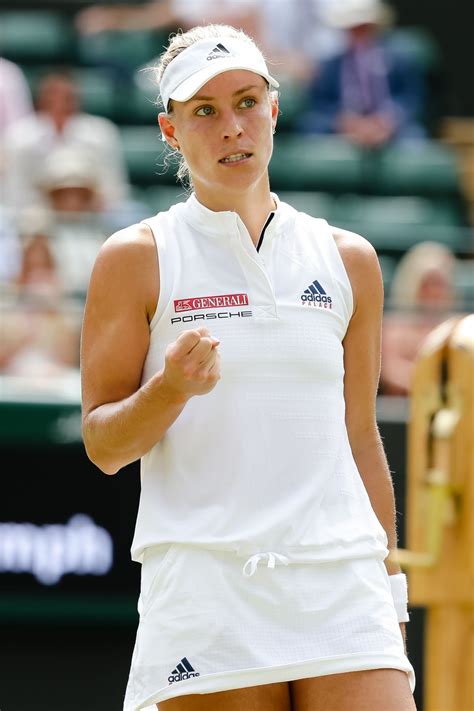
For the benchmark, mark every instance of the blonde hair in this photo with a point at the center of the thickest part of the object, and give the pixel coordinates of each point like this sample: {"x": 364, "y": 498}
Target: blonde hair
{"x": 178, "y": 43}
{"x": 412, "y": 269}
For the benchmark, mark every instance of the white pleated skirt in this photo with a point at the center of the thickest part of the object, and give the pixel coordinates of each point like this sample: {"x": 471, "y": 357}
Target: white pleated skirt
{"x": 206, "y": 626}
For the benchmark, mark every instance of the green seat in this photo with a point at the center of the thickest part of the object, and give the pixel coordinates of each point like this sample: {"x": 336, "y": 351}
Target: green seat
{"x": 416, "y": 168}
{"x": 161, "y": 197}
{"x": 122, "y": 50}
{"x": 136, "y": 104}
{"x": 314, "y": 204}
{"x": 397, "y": 209}
{"x": 30, "y": 36}
{"x": 97, "y": 91}
{"x": 418, "y": 45}
{"x": 146, "y": 156}
{"x": 394, "y": 224}
{"x": 292, "y": 101}
{"x": 464, "y": 282}
{"x": 315, "y": 163}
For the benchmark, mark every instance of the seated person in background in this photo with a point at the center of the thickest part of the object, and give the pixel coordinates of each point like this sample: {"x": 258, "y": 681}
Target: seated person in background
{"x": 162, "y": 14}
{"x": 38, "y": 273}
{"x": 39, "y": 330}
{"x": 58, "y": 122}
{"x": 9, "y": 247}
{"x": 295, "y": 34}
{"x": 70, "y": 188}
{"x": 369, "y": 93}
{"x": 422, "y": 296}
{"x": 15, "y": 99}
{"x": 39, "y": 337}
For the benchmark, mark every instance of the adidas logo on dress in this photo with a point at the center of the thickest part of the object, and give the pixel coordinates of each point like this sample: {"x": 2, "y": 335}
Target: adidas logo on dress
{"x": 218, "y": 52}
{"x": 315, "y": 295}
{"x": 184, "y": 670}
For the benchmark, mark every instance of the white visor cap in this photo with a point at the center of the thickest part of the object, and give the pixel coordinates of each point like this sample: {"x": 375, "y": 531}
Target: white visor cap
{"x": 204, "y": 60}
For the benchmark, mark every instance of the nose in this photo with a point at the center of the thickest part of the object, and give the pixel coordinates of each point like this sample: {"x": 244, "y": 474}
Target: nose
{"x": 231, "y": 127}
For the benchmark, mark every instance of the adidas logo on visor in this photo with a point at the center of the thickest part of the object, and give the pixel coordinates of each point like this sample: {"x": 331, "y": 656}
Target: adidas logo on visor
{"x": 184, "y": 670}
{"x": 218, "y": 52}
{"x": 315, "y": 295}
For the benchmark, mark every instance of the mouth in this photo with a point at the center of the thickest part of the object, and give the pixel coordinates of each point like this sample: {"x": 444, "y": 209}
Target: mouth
{"x": 235, "y": 158}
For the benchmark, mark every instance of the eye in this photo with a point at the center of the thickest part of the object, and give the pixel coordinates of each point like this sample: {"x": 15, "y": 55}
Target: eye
{"x": 248, "y": 103}
{"x": 204, "y": 111}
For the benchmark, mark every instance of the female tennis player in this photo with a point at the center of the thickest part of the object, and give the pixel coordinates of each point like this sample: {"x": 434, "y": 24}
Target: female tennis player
{"x": 233, "y": 344}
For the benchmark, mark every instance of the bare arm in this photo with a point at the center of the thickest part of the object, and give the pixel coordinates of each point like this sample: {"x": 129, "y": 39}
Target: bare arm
{"x": 123, "y": 419}
{"x": 362, "y": 345}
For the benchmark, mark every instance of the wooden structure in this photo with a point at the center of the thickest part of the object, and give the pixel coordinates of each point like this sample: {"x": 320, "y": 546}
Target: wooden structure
{"x": 440, "y": 512}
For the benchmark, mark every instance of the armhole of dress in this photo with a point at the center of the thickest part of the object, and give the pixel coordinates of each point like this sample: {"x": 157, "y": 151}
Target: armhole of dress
{"x": 340, "y": 270}
{"x": 163, "y": 296}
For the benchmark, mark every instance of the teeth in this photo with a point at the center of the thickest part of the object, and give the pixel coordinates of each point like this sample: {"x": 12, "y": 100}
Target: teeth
{"x": 235, "y": 157}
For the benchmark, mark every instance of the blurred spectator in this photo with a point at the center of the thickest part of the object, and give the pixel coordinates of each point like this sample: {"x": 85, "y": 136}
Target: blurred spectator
{"x": 15, "y": 97}
{"x": 162, "y": 14}
{"x": 296, "y": 37}
{"x": 422, "y": 296}
{"x": 370, "y": 93}
{"x": 70, "y": 188}
{"x": 15, "y": 102}
{"x": 58, "y": 122}
{"x": 9, "y": 248}
{"x": 39, "y": 329}
{"x": 292, "y": 32}
{"x": 69, "y": 182}
{"x": 38, "y": 274}
{"x": 39, "y": 337}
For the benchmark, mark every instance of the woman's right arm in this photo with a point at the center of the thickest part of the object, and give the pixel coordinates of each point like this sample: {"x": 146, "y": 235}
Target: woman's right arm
{"x": 122, "y": 419}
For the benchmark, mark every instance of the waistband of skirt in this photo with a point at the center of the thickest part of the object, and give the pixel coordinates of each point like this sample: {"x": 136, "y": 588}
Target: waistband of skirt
{"x": 282, "y": 555}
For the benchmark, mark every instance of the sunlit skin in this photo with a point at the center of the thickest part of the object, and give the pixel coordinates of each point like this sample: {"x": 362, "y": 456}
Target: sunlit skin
{"x": 233, "y": 113}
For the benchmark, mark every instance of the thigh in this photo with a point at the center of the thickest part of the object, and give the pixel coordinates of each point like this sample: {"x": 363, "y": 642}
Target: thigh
{"x": 381, "y": 689}
{"x": 269, "y": 697}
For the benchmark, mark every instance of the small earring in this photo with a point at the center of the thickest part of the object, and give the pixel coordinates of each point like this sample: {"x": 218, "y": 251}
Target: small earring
{"x": 273, "y": 130}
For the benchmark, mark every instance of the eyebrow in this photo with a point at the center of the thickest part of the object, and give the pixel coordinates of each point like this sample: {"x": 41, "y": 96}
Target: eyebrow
{"x": 236, "y": 93}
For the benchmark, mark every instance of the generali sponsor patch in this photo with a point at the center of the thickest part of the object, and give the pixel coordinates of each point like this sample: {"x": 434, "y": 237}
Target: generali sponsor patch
{"x": 210, "y": 302}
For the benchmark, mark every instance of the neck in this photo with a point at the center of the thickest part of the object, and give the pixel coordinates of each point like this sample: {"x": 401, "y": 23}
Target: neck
{"x": 252, "y": 206}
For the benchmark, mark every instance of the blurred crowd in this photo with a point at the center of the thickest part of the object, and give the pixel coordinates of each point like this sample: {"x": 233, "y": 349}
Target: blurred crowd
{"x": 66, "y": 188}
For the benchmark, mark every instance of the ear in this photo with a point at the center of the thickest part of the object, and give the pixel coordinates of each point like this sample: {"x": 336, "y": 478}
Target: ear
{"x": 168, "y": 130}
{"x": 275, "y": 109}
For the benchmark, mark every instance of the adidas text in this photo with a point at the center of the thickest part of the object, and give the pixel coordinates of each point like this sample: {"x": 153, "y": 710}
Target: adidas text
{"x": 316, "y": 300}
{"x": 184, "y": 670}
{"x": 181, "y": 676}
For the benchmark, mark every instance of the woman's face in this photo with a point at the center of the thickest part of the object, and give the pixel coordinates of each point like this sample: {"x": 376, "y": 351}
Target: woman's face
{"x": 225, "y": 134}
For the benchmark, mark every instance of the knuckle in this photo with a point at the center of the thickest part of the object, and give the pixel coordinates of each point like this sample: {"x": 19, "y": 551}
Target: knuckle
{"x": 171, "y": 354}
{"x": 203, "y": 331}
{"x": 189, "y": 372}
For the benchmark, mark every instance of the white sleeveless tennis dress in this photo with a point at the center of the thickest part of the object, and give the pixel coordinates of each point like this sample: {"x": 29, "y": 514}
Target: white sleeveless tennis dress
{"x": 262, "y": 558}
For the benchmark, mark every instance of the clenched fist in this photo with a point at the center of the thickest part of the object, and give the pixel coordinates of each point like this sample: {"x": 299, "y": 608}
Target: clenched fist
{"x": 192, "y": 364}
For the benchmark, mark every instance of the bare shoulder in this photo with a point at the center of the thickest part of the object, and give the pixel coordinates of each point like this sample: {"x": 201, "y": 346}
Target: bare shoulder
{"x": 361, "y": 263}
{"x": 355, "y": 250}
{"x": 135, "y": 242}
{"x": 127, "y": 265}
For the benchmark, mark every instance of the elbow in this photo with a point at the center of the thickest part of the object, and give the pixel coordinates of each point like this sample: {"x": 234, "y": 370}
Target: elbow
{"x": 97, "y": 454}
{"x": 106, "y": 467}
{"x": 101, "y": 461}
